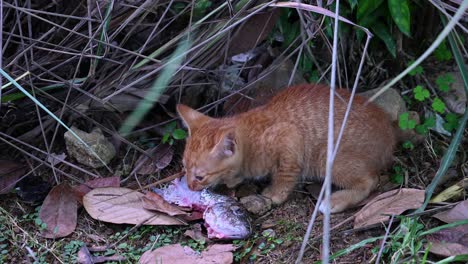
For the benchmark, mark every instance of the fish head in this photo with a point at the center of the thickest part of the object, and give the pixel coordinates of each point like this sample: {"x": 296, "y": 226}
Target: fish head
{"x": 227, "y": 221}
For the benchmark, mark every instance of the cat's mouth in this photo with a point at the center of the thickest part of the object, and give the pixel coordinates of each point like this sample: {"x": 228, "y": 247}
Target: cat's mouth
{"x": 196, "y": 186}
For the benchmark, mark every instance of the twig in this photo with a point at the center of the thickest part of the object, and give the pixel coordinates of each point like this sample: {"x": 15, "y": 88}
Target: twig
{"x": 384, "y": 239}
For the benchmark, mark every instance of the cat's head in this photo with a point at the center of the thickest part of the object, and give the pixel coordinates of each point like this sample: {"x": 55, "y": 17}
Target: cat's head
{"x": 211, "y": 153}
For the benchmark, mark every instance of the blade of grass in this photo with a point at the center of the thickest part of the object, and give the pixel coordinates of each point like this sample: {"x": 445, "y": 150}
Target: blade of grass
{"x": 352, "y": 248}
{"x": 442, "y": 227}
{"x": 452, "y": 259}
{"x": 16, "y": 96}
{"x": 156, "y": 90}
{"x": 8, "y": 77}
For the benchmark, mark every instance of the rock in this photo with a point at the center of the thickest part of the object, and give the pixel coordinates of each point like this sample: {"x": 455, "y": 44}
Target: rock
{"x": 256, "y": 204}
{"x": 455, "y": 98}
{"x": 390, "y": 101}
{"x": 96, "y": 141}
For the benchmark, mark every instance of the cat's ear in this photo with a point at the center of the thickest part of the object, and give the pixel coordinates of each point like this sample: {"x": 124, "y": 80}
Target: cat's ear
{"x": 191, "y": 117}
{"x": 226, "y": 147}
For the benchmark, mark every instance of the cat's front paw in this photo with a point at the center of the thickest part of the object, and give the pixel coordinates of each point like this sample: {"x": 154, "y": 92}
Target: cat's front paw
{"x": 277, "y": 197}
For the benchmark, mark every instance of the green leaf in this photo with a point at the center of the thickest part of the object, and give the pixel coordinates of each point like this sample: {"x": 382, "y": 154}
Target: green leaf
{"x": 179, "y": 134}
{"x": 200, "y": 8}
{"x": 420, "y": 93}
{"x": 382, "y": 32}
{"x": 451, "y": 122}
{"x": 165, "y": 137}
{"x": 444, "y": 82}
{"x": 399, "y": 9}
{"x": 438, "y": 105}
{"x": 366, "y": 7}
{"x": 405, "y": 123}
{"x": 416, "y": 71}
{"x": 353, "y": 3}
{"x": 170, "y": 127}
{"x": 397, "y": 177}
{"x": 408, "y": 145}
{"x": 442, "y": 53}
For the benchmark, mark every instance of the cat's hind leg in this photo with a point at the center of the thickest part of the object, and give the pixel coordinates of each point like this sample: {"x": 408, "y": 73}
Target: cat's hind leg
{"x": 357, "y": 178}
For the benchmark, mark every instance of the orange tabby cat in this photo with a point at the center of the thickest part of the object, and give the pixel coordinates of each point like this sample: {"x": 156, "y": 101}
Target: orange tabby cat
{"x": 287, "y": 139}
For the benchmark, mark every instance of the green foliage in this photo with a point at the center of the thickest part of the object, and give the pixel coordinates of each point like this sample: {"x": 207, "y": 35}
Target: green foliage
{"x": 416, "y": 71}
{"x": 380, "y": 16}
{"x": 451, "y": 122}
{"x": 442, "y": 53}
{"x": 404, "y": 122}
{"x": 420, "y": 93}
{"x": 261, "y": 244}
{"x": 197, "y": 245}
{"x": 423, "y": 128}
{"x": 406, "y": 241}
{"x": 438, "y": 105}
{"x": 408, "y": 145}
{"x": 201, "y": 6}
{"x": 444, "y": 81}
{"x": 70, "y": 251}
{"x": 398, "y": 175}
{"x": 382, "y": 32}
{"x": 171, "y": 133}
{"x": 399, "y": 9}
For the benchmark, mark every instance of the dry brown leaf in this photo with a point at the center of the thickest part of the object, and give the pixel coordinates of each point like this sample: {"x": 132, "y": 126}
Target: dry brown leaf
{"x": 123, "y": 206}
{"x": 86, "y": 187}
{"x": 154, "y": 201}
{"x": 390, "y": 203}
{"x": 161, "y": 156}
{"x": 177, "y": 254}
{"x": 196, "y": 233}
{"x": 59, "y": 212}
{"x": 10, "y": 173}
{"x": 458, "y": 213}
{"x": 450, "y": 242}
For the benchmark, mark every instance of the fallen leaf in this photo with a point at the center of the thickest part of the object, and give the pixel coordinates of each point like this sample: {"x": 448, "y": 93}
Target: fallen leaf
{"x": 86, "y": 187}
{"x": 390, "y": 203}
{"x": 154, "y": 201}
{"x": 10, "y": 173}
{"x": 196, "y": 233}
{"x": 160, "y": 157}
{"x": 459, "y": 212}
{"x": 123, "y": 206}
{"x": 450, "y": 242}
{"x": 177, "y": 254}
{"x": 59, "y": 212}
{"x": 453, "y": 192}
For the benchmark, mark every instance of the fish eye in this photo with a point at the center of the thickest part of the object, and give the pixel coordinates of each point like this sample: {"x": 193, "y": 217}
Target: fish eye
{"x": 236, "y": 210}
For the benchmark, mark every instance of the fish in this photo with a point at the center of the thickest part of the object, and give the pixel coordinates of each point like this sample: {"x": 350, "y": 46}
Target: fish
{"x": 224, "y": 216}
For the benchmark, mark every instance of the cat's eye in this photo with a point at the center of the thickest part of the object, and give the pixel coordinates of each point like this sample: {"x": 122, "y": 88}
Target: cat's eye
{"x": 199, "y": 178}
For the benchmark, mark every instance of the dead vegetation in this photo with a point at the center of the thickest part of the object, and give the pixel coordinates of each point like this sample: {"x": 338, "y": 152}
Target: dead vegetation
{"x": 91, "y": 63}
